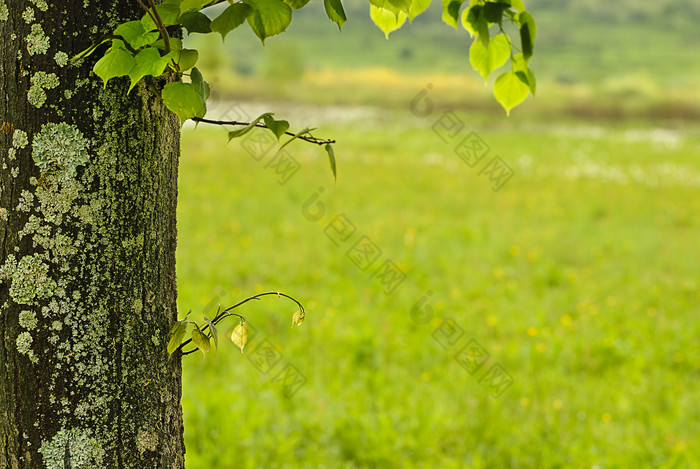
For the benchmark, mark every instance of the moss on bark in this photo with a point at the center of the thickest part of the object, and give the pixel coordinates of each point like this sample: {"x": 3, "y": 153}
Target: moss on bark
{"x": 87, "y": 243}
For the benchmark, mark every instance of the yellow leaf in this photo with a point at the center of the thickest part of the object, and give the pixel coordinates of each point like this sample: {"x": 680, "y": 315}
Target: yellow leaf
{"x": 240, "y": 335}
{"x": 298, "y": 318}
{"x": 201, "y": 340}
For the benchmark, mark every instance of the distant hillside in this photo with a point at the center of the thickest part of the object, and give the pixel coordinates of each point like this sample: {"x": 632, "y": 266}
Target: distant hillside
{"x": 577, "y": 41}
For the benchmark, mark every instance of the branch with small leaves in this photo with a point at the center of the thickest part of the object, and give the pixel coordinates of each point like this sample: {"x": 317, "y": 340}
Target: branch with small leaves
{"x": 144, "y": 47}
{"x": 202, "y": 336}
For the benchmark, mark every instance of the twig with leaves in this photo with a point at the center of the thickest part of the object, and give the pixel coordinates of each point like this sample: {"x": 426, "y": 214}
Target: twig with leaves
{"x": 201, "y": 337}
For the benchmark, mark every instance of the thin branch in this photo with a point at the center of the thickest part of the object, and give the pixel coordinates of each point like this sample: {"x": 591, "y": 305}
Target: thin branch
{"x": 148, "y": 11}
{"x": 227, "y": 312}
{"x": 121, "y": 38}
{"x": 161, "y": 26}
{"x": 310, "y": 139}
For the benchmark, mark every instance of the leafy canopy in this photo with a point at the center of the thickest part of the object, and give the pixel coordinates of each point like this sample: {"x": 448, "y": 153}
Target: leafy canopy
{"x": 143, "y": 47}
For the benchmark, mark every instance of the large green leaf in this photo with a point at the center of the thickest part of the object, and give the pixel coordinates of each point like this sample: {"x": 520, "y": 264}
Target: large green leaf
{"x": 176, "y": 335}
{"x": 394, "y": 6}
{"x": 231, "y": 18}
{"x": 493, "y": 11}
{"x": 175, "y": 44}
{"x": 186, "y": 59}
{"x": 148, "y": 62}
{"x": 195, "y": 5}
{"x": 135, "y": 34}
{"x": 116, "y": 62}
{"x": 474, "y": 21}
{"x": 278, "y": 127}
{"x": 201, "y": 340}
{"x": 485, "y": 59}
{"x": 521, "y": 68}
{"x": 387, "y": 20}
{"x": 525, "y": 18}
{"x": 510, "y": 90}
{"x": 269, "y": 17}
{"x": 528, "y": 31}
{"x": 518, "y": 5}
{"x": 195, "y": 22}
{"x": 296, "y": 4}
{"x": 417, "y": 7}
{"x": 335, "y": 12}
{"x": 200, "y": 85}
{"x": 184, "y": 100}
{"x": 169, "y": 12}
{"x": 450, "y": 12}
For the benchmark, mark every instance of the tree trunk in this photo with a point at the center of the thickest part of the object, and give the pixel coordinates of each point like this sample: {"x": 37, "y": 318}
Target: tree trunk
{"x": 88, "y": 191}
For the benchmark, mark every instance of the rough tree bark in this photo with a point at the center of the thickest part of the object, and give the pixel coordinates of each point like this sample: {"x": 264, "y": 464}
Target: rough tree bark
{"x": 88, "y": 189}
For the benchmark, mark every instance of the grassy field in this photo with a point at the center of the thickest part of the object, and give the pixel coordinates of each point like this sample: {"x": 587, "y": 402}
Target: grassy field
{"x": 578, "y": 278}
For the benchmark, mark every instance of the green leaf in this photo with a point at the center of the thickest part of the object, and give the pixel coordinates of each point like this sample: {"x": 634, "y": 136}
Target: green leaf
{"x": 176, "y": 335}
{"x": 201, "y": 340}
{"x": 485, "y": 59}
{"x": 528, "y": 31}
{"x": 195, "y": 22}
{"x": 526, "y": 40}
{"x": 184, "y": 100}
{"x": 277, "y": 127}
{"x": 450, "y": 11}
{"x": 335, "y": 12}
{"x": 169, "y": 12}
{"x": 510, "y": 90}
{"x": 518, "y": 5}
{"x": 417, "y": 7}
{"x": 175, "y": 44}
{"x": 200, "y": 85}
{"x": 305, "y": 131}
{"x": 186, "y": 59}
{"x": 331, "y": 159}
{"x": 135, "y": 34}
{"x": 89, "y": 50}
{"x": 493, "y": 11}
{"x": 394, "y": 6}
{"x": 296, "y": 4}
{"x": 521, "y": 68}
{"x": 196, "y": 5}
{"x": 248, "y": 128}
{"x": 386, "y": 20}
{"x": 269, "y": 17}
{"x": 148, "y": 62}
{"x": 214, "y": 331}
{"x": 525, "y": 18}
{"x": 475, "y": 23}
{"x": 231, "y": 18}
{"x": 116, "y": 62}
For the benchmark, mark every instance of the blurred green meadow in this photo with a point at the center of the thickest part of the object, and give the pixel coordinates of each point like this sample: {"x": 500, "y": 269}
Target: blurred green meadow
{"x": 546, "y": 320}
{"x": 579, "y": 277}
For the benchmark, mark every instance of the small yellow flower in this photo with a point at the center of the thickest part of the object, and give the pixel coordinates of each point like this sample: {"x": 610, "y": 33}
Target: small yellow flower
{"x": 606, "y": 417}
{"x": 532, "y": 331}
{"x": 240, "y": 335}
{"x": 298, "y": 318}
